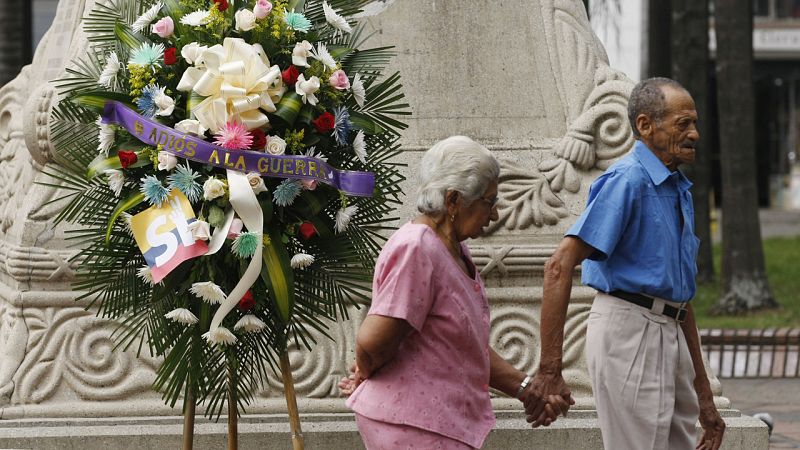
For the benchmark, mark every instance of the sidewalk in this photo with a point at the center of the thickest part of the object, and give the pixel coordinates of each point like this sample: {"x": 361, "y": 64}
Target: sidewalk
{"x": 780, "y": 397}
{"x": 774, "y": 223}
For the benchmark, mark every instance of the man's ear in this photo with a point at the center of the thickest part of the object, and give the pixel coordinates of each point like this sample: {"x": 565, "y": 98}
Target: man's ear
{"x": 644, "y": 125}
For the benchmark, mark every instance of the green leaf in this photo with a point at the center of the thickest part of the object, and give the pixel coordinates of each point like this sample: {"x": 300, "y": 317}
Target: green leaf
{"x": 288, "y": 108}
{"x": 277, "y": 273}
{"x": 363, "y": 122}
{"x": 96, "y": 100}
{"x": 129, "y": 203}
{"x": 128, "y": 37}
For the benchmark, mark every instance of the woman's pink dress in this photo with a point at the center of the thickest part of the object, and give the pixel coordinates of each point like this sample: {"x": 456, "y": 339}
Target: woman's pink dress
{"x": 438, "y": 383}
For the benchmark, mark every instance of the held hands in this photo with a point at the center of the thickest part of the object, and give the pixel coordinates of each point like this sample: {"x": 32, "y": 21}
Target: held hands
{"x": 349, "y": 383}
{"x": 546, "y": 398}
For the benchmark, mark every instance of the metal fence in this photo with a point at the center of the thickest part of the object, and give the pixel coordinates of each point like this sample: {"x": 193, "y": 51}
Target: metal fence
{"x": 765, "y": 353}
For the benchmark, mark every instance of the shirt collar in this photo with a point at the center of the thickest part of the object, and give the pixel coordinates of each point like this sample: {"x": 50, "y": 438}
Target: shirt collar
{"x": 656, "y": 169}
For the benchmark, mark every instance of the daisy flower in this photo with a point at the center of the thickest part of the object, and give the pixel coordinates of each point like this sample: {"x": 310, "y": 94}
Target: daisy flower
{"x": 245, "y": 244}
{"x": 301, "y": 261}
{"x": 335, "y": 20}
{"x": 148, "y": 55}
{"x": 343, "y": 217}
{"x": 296, "y": 21}
{"x": 311, "y": 153}
{"x": 182, "y": 315}
{"x": 234, "y": 136}
{"x": 250, "y": 324}
{"x": 342, "y": 125}
{"x": 147, "y": 18}
{"x": 145, "y": 275}
{"x": 359, "y": 147}
{"x": 116, "y": 179}
{"x": 105, "y": 135}
{"x": 359, "y": 93}
{"x": 208, "y": 291}
{"x": 285, "y": 193}
{"x": 109, "y": 76}
{"x": 184, "y": 179}
{"x": 322, "y": 55}
{"x": 195, "y": 19}
{"x": 220, "y": 336}
{"x": 154, "y": 192}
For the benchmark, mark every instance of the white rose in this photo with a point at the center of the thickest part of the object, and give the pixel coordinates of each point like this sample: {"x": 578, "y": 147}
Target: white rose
{"x": 166, "y": 161}
{"x": 165, "y": 104}
{"x": 256, "y": 182}
{"x": 300, "y": 54}
{"x": 276, "y": 145}
{"x": 245, "y": 20}
{"x": 213, "y": 188}
{"x": 192, "y": 52}
{"x": 200, "y": 230}
{"x": 190, "y": 126}
{"x": 307, "y": 88}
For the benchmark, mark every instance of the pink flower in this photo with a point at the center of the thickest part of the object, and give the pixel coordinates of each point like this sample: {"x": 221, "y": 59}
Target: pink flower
{"x": 236, "y": 228}
{"x": 164, "y": 27}
{"x": 262, "y": 9}
{"x": 339, "y": 80}
{"x": 234, "y": 136}
{"x": 309, "y": 184}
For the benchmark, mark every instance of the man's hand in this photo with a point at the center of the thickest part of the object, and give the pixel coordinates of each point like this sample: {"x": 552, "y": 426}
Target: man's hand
{"x": 349, "y": 383}
{"x": 546, "y": 398}
{"x": 713, "y": 427}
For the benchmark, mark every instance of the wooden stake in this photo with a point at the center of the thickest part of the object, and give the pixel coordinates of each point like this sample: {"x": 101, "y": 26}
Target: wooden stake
{"x": 233, "y": 413}
{"x": 291, "y": 403}
{"x": 188, "y": 419}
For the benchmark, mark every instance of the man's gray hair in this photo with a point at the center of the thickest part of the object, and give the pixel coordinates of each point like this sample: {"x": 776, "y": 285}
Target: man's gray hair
{"x": 648, "y": 98}
{"x": 454, "y": 164}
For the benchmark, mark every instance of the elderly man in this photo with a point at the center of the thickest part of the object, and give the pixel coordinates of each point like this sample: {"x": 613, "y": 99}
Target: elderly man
{"x": 637, "y": 244}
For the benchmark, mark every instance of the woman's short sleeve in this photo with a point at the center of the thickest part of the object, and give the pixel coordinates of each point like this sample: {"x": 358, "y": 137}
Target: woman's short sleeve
{"x": 403, "y": 284}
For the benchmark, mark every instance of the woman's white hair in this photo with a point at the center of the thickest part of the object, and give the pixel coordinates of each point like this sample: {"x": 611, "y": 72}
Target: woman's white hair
{"x": 454, "y": 164}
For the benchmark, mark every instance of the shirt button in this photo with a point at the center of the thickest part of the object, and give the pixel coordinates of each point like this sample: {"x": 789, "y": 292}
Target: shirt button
{"x": 486, "y": 387}
{"x": 477, "y": 287}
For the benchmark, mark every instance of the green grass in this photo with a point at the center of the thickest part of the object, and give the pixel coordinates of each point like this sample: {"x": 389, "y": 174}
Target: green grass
{"x": 783, "y": 271}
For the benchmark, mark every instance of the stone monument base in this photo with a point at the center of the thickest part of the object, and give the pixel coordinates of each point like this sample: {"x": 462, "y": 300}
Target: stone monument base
{"x": 322, "y": 430}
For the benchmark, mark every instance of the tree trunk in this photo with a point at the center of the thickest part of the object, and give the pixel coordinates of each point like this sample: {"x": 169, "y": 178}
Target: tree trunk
{"x": 690, "y": 63}
{"x": 658, "y": 38}
{"x": 744, "y": 280}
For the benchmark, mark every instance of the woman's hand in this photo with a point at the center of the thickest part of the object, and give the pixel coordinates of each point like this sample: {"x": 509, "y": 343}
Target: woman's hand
{"x": 349, "y": 383}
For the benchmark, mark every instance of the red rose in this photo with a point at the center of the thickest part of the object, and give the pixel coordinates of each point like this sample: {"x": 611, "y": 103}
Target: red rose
{"x": 222, "y": 5}
{"x": 247, "y": 302}
{"x": 307, "y": 230}
{"x": 324, "y": 123}
{"x": 290, "y": 75}
{"x": 170, "y": 56}
{"x": 259, "y": 139}
{"x": 127, "y": 158}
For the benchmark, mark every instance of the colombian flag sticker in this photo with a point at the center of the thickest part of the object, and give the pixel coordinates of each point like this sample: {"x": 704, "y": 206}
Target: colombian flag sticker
{"x": 163, "y": 235}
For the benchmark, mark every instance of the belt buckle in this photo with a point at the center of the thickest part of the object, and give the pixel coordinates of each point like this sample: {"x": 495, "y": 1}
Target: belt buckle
{"x": 682, "y": 313}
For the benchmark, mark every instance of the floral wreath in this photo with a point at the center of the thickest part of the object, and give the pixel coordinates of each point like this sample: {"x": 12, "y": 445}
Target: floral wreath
{"x": 230, "y": 169}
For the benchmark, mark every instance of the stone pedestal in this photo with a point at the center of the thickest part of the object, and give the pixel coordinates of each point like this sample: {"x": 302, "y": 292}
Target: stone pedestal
{"x": 526, "y": 78}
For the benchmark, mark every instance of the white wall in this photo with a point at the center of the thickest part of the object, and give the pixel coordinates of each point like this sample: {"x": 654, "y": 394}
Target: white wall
{"x": 622, "y": 33}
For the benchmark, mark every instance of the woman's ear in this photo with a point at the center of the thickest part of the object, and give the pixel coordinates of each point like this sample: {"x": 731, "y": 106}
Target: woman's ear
{"x": 451, "y": 199}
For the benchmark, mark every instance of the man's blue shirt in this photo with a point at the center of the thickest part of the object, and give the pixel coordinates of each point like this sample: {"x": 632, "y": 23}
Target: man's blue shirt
{"x": 633, "y": 221}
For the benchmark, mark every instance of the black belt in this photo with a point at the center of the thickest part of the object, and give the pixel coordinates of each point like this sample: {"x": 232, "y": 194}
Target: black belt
{"x": 644, "y": 301}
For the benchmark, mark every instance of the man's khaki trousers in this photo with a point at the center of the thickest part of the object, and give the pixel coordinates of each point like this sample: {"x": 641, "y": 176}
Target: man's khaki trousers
{"x": 642, "y": 376}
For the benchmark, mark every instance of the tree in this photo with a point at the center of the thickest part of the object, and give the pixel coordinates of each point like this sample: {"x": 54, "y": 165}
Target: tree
{"x": 744, "y": 279}
{"x": 658, "y": 38}
{"x": 690, "y": 63}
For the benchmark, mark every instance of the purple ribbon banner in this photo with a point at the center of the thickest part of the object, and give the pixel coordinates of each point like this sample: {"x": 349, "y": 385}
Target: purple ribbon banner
{"x": 182, "y": 145}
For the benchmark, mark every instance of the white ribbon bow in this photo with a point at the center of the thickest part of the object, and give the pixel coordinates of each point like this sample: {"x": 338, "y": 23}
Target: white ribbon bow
{"x": 238, "y": 83}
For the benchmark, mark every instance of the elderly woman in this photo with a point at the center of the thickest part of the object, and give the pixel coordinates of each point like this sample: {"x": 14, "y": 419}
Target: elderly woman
{"x": 423, "y": 350}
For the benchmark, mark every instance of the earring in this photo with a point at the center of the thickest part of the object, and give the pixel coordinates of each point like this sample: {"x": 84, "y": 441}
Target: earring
{"x": 452, "y": 218}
